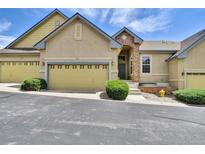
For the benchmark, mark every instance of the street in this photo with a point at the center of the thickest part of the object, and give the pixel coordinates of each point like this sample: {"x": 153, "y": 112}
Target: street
{"x": 33, "y": 119}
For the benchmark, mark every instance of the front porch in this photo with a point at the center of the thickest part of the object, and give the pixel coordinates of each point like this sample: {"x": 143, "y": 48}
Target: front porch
{"x": 125, "y": 64}
{"x": 128, "y": 58}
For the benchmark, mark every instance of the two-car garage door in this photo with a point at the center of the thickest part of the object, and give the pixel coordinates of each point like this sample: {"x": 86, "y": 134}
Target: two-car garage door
{"x": 77, "y": 77}
{"x": 195, "y": 80}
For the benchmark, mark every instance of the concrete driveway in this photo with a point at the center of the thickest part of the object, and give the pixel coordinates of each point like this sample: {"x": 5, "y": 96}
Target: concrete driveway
{"x": 34, "y": 119}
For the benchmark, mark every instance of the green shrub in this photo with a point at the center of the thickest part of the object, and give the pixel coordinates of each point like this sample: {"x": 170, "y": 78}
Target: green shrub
{"x": 34, "y": 84}
{"x": 117, "y": 89}
{"x": 191, "y": 96}
{"x": 42, "y": 83}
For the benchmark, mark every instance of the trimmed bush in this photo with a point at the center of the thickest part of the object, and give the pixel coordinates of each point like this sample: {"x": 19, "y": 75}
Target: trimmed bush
{"x": 191, "y": 96}
{"x": 117, "y": 89}
{"x": 34, "y": 84}
{"x": 42, "y": 83}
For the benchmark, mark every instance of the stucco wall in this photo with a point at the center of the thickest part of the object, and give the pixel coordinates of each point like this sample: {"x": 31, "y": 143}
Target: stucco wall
{"x": 93, "y": 46}
{"x": 39, "y": 32}
{"x": 19, "y": 57}
{"x": 174, "y": 73}
{"x": 194, "y": 61}
{"x": 159, "y": 68}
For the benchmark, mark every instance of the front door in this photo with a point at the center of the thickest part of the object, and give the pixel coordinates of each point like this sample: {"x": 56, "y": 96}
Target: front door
{"x": 122, "y": 67}
{"x": 121, "y": 71}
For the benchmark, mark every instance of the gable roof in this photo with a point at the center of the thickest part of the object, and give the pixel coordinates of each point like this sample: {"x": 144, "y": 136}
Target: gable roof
{"x": 188, "y": 44}
{"x": 41, "y": 43}
{"x": 165, "y": 46}
{"x": 137, "y": 39}
{"x": 37, "y": 24}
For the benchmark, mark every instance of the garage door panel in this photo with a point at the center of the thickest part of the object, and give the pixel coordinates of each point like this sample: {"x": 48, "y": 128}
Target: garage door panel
{"x": 18, "y": 71}
{"x": 195, "y": 81}
{"x": 78, "y": 77}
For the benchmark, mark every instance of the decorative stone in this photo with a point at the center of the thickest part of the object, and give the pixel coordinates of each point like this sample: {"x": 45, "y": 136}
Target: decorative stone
{"x": 129, "y": 41}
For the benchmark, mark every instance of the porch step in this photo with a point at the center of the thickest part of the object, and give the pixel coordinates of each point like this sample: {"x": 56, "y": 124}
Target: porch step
{"x": 133, "y": 87}
{"x": 134, "y": 91}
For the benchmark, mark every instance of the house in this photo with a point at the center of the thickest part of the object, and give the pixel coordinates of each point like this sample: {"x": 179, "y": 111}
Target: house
{"x": 74, "y": 54}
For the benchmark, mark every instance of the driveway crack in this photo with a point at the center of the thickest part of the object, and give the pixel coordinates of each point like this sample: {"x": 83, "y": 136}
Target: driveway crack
{"x": 178, "y": 119}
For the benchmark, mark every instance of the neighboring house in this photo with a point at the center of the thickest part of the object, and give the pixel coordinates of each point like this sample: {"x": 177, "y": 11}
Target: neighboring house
{"x": 74, "y": 54}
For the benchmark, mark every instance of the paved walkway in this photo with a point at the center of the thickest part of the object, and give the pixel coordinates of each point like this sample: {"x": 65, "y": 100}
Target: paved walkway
{"x": 14, "y": 87}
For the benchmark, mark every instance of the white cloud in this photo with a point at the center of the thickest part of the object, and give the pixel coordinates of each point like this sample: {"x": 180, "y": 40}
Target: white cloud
{"x": 37, "y": 12}
{"x": 138, "y": 20}
{"x": 4, "y": 25}
{"x": 151, "y": 23}
{"x": 88, "y": 12}
{"x": 5, "y": 40}
{"x": 141, "y": 20}
{"x": 122, "y": 16}
{"x": 104, "y": 14}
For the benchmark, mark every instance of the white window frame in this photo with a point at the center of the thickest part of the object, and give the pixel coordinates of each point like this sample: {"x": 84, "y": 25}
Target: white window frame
{"x": 141, "y": 58}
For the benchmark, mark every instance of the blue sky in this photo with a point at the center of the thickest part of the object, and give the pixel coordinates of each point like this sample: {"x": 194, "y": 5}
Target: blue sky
{"x": 149, "y": 24}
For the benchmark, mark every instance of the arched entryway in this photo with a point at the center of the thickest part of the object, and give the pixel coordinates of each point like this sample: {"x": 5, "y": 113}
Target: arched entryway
{"x": 125, "y": 63}
{"x": 128, "y": 59}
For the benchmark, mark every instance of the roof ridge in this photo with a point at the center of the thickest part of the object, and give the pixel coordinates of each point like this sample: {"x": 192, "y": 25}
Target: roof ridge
{"x": 35, "y": 25}
{"x": 77, "y": 14}
{"x": 129, "y": 31}
{"x": 195, "y": 34}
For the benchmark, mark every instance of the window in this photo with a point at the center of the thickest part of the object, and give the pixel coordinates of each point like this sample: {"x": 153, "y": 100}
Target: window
{"x": 81, "y": 66}
{"x": 146, "y": 64}
{"x": 74, "y": 66}
{"x": 59, "y": 66}
{"x": 78, "y": 31}
{"x": 104, "y": 66}
{"x": 57, "y": 23}
{"x": 66, "y": 66}
{"x": 97, "y": 66}
{"x": 89, "y": 66}
{"x": 52, "y": 66}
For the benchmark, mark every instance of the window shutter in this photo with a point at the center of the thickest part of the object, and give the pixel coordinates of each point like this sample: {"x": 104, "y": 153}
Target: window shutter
{"x": 78, "y": 31}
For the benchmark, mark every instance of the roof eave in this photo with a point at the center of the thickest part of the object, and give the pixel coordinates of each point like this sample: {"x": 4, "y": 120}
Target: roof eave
{"x": 37, "y": 24}
{"x": 137, "y": 39}
{"x": 41, "y": 43}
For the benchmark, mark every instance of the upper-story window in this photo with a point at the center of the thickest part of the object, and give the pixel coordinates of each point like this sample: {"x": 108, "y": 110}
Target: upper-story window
{"x": 57, "y": 23}
{"x": 145, "y": 64}
{"x": 78, "y": 31}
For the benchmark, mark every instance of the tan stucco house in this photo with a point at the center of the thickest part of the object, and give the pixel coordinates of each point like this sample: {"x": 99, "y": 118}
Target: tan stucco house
{"x": 74, "y": 54}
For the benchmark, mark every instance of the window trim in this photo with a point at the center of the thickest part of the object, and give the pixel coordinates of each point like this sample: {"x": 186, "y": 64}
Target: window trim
{"x": 76, "y": 37}
{"x": 141, "y": 57}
